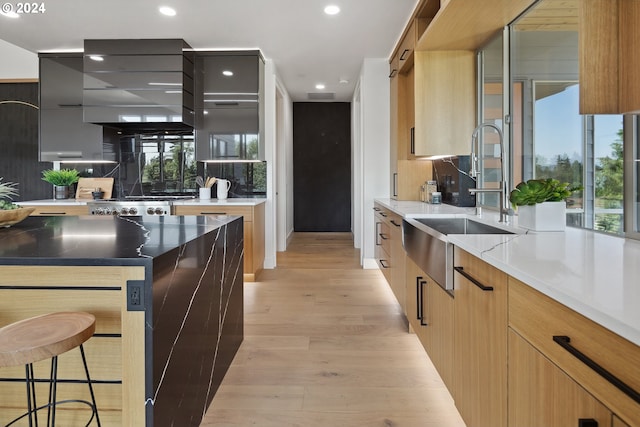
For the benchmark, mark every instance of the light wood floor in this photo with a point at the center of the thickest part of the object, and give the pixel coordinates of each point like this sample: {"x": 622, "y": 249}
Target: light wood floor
{"x": 326, "y": 345}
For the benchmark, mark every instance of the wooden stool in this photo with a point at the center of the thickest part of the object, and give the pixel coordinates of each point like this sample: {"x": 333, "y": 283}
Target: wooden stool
{"x": 43, "y": 337}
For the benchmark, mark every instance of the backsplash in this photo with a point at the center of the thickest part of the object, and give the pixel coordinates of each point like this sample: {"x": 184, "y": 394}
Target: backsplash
{"x": 166, "y": 165}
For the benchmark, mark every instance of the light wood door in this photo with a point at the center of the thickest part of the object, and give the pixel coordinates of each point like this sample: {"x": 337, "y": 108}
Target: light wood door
{"x": 439, "y": 330}
{"x": 445, "y": 94}
{"x": 398, "y": 260}
{"x": 430, "y": 314}
{"x": 480, "y": 342}
{"x": 540, "y": 394}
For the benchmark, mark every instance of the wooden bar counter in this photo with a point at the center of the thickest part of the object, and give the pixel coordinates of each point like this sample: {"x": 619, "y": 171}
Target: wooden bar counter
{"x": 168, "y": 300}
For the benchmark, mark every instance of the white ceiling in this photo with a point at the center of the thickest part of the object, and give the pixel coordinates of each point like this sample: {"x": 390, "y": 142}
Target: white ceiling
{"x": 306, "y": 46}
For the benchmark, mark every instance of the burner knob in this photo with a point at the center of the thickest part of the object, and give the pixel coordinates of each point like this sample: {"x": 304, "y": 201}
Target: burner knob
{"x": 124, "y": 211}
{"x": 159, "y": 211}
{"x": 133, "y": 211}
{"x": 150, "y": 211}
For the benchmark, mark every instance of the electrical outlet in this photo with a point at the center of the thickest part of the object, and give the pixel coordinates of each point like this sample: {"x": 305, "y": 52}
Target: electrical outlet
{"x": 135, "y": 295}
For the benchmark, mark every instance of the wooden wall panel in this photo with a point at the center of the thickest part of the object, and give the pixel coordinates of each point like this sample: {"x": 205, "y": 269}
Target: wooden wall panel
{"x": 19, "y": 141}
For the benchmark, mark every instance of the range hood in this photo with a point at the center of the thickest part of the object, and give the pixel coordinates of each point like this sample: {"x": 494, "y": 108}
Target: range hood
{"x": 139, "y": 85}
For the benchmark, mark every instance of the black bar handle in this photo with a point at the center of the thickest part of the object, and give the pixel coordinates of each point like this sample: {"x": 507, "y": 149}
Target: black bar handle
{"x": 418, "y": 298}
{"x": 393, "y": 73}
{"x": 412, "y": 139}
{"x": 422, "y": 322}
{"x": 393, "y": 221}
{"x": 382, "y": 236}
{"x": 565, "y": 342}
{"x": 587, "y": 422}
{"x": 382, "y": 263}
{"x": 404, "y": 53}
{"x": 383, "y": 214}
{"x": 377, "y": 209}
{"x": 472, "y": 280}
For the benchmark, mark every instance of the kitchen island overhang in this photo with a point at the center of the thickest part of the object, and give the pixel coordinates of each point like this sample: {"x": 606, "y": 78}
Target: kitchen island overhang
{"x": 167, "y": 292}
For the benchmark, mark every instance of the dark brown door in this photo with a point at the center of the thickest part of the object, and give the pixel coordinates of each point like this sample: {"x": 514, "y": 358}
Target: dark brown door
{"x": 322, "y": 166}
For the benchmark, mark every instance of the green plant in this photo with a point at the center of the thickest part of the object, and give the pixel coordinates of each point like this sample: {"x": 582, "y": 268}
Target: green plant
{"x": 7, "y": 191}
{"x": 62, "y": 177}
{"x": 541, "y": 190}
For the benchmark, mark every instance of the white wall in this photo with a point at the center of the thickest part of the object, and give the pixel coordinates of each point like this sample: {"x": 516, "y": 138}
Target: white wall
{"x": 371, "y": 151}
{"x": 279, "y": 157}
{"x": 17, "y": 63}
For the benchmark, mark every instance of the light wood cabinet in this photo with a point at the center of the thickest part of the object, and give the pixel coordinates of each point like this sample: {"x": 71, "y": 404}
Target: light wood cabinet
{"x": 254, "y": 227}
{"x": 389, "y": 252}
{"x": 608, "y": 39}
{"x": 581, "y": 348}
{"x": 541, "y": 394}
{"x": 57, "y": 210}
{"x": 430, "y": 314}
{"x": 445, "y": 109}
{"x": 480, "y": 342}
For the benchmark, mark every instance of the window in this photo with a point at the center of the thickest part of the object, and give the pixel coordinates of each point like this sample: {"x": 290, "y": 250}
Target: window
{"x": 546, "y": 135}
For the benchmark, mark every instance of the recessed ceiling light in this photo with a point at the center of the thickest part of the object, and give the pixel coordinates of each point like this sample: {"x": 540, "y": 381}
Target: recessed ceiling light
{"x": 320, "y": 86}
{"x": 344, "y": 81}
{"x": 166, "y": 10}
{"x": 227, "y": 73}
{"x": 332, "y": 9}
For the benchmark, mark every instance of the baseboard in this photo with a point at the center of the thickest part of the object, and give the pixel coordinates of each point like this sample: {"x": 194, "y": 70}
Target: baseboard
{"x": 369, "y": 264}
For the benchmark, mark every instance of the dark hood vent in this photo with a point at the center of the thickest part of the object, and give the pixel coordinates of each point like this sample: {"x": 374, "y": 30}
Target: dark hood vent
{"x": 139, "y": 85}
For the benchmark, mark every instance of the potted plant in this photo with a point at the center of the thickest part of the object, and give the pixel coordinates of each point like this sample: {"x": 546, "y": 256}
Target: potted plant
{"x": 61, "y": 180}
{"x": 10, "y": 213}
{"x": 541, "y": 203}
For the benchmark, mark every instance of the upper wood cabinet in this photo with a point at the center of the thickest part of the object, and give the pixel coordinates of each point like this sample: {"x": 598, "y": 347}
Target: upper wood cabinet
{"x": 445, "y": 102}
{"x": 609, "y": 38}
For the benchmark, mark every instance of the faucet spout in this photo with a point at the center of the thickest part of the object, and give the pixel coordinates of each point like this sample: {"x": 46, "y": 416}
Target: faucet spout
{"x": 503, "y": 188}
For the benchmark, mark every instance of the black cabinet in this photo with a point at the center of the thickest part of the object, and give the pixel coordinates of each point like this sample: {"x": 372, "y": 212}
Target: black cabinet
{"x": 139, "y": 84}
{"x": 63, "y": 136}
{"x": 229, "y": 106}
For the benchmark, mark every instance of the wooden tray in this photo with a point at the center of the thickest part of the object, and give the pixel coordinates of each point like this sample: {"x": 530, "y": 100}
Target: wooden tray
{"x": 87, "y": 185}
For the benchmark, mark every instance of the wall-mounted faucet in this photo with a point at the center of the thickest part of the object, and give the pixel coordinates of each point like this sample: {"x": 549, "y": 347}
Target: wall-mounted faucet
{"x": 475, "y": 148}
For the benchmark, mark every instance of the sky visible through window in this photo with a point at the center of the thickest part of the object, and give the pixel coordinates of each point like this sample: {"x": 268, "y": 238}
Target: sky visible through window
{"x": 558, "y": 127}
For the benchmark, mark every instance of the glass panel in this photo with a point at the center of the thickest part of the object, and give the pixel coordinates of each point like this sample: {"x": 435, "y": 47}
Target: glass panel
{"x": 609, "y": 174}
{"x": 491, "y": 112}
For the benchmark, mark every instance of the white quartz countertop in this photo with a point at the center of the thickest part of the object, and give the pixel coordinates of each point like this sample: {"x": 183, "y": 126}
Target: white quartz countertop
{"x": 595, "y": 274}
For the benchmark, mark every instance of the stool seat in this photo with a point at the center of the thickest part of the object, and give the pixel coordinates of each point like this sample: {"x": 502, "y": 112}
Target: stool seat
{"x": 43, "y": 337}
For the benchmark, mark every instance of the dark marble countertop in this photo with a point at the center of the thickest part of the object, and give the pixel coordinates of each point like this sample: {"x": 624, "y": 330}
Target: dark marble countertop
{"x": 96, "y": 240}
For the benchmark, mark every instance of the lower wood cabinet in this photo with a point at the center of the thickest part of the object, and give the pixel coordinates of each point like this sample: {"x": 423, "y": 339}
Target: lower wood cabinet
{"x": 389, "y": 252}
{"x": 541, "y": 394}
{"x": 480, "y": 342}
{"x": 604, "y": 366}
{"x": 254, "y": 227}
{"x": 430, "y": 314}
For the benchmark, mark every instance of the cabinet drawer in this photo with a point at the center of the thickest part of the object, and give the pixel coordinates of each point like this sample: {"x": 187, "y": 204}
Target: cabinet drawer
{"x": 59, "y": 210}
{"x": 245, "y": 211}
{"x": 539, "y": 319}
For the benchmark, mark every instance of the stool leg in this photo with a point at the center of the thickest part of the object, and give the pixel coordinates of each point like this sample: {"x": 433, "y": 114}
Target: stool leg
{"x": 31, "y": 394}
{"x": 53, "y": 391}
{"x": 93, "y": 398}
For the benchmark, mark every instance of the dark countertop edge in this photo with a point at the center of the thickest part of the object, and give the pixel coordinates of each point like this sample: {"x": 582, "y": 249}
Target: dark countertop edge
{"x": 93, "y": 262}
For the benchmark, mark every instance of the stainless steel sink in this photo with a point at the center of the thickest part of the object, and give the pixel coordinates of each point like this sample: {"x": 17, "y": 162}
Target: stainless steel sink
{"x": 426, "y": 243}
{"x": 460, "y": 226}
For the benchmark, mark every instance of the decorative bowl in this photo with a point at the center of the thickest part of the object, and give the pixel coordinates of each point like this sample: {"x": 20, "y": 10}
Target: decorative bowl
{"x": 14, "y": 216}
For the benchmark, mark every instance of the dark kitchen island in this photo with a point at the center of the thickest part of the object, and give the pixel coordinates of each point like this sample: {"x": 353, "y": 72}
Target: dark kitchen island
{"x": 168, "y": 299}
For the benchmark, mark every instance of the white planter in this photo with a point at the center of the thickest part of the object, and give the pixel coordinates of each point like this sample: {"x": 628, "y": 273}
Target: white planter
{"x": 547, "y": 216}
